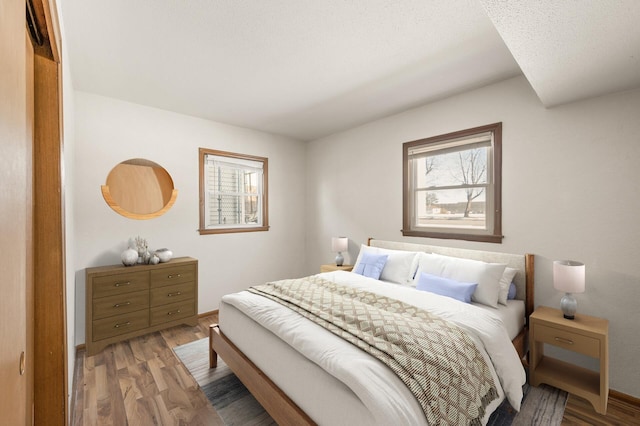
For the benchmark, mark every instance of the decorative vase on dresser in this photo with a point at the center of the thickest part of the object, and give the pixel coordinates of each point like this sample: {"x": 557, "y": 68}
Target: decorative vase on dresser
{"x": 125, "y": 302}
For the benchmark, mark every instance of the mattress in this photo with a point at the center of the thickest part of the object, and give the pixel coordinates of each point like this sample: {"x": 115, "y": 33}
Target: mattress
{"x": 318, "y": 370}
{"x": 320, "y": 395}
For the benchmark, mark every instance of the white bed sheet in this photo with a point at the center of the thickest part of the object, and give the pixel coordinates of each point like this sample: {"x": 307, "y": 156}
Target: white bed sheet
{"x": 383, "y": 394}
{"x": 512, "y": 315}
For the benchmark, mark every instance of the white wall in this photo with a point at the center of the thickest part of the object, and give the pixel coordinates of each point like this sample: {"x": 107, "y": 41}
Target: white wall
{"x": 109, "y": 131}
{"x": 571, "y": 177}
{"x": 69, "y": 221}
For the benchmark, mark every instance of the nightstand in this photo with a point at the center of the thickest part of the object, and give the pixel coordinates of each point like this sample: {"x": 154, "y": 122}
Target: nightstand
{"x": 332, "y": 267}
{"x": 585, "y": 335}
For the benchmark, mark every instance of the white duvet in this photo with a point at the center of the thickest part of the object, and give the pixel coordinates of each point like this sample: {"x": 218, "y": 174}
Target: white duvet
{"x": 375, "y": 384}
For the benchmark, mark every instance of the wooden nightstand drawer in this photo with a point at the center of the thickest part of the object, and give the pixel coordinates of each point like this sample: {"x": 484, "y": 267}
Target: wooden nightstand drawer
{"x": 121, "y": 324}
{"x": 120, "y": 304}
{"x": 172, "y": 294}
{"x": 173, "y": 275}
{"x": 110, "y": 285}
{"x": 567, "y": 339}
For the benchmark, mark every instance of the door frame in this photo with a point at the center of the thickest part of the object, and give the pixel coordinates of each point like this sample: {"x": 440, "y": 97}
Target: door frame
{"x": 49, "y": 283}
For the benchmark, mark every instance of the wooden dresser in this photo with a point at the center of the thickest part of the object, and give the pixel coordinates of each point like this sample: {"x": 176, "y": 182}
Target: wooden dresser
{"x": 124, "y": 302}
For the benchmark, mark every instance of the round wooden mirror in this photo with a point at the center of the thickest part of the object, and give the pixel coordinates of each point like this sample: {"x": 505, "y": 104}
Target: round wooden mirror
{"x": 139, "y": 189}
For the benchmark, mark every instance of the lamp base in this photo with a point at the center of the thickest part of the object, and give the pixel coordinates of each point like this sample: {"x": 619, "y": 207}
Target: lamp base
{"x": 569, "y": 306}
{"x": 339, "y": 259}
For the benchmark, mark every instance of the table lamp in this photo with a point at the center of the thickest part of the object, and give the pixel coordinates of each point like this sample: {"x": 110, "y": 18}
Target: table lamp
{"x": 339, "y": 244}
{"x": 568, "y": 276}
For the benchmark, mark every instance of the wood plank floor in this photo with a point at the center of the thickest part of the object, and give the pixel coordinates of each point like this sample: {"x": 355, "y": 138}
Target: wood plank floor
{"x": 141, "y": 382}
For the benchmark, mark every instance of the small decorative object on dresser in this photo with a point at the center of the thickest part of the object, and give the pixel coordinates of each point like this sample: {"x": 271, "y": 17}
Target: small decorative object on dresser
{"x": 142, "y": 247}
{"x": 331, "y": 267}
{"x": 122, "y": 303}
{"x": 129, "y": 257}
{"x": 164, "y": 254}
{"x": 339, "y": 244}
{"x": 585, "y": 335}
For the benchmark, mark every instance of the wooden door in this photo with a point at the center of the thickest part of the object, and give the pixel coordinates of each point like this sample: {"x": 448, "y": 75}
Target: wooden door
{"x": 16, "y": 284}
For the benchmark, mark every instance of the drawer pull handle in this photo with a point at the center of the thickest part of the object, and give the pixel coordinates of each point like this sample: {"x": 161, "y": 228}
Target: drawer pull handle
{"x": 124, "y": 324}
{"x": 177, "y": 293}
{"x": 173, "y": 312}
{"x": 174, "y": 276}
{"x": 123, "y": 284}
{"x": 561, "y": 340}
{"x": 118, "y": 305}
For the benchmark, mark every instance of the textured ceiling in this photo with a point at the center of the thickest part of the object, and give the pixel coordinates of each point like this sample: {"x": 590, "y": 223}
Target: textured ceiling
{"x": 572, "y": 49}
{"x": 309, "y": 68}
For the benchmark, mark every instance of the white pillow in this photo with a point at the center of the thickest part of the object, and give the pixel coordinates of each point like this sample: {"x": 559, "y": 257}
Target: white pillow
{"x": 400, "y": 267}
{"x": 505, "y": 282}
{"x": 487, "y": 275}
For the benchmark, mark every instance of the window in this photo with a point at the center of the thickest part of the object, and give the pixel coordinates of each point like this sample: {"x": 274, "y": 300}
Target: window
{"x": 452, "y": 185}
{"x": 233, "y": 192}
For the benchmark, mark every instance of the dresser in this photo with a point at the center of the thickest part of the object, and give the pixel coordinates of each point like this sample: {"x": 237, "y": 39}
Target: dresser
{"x": 125, "y": 302}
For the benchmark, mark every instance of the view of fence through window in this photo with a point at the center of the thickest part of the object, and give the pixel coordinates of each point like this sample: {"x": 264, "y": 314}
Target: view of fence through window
{"x": 234, "y": 200}
{"x": 451, "y": 189}
{"x": 233, "y": 192}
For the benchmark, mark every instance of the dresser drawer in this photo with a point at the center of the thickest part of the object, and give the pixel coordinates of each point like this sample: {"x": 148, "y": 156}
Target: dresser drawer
{"x": 110, "y": 285}
{"x": 172, "y": 293}
{"x": 121, "y": 324}
{"x": 567, "y": 340}
{"x": 120, "y": 304}
{"x": 173, "y": 311}
{"x": 174, "y": 275}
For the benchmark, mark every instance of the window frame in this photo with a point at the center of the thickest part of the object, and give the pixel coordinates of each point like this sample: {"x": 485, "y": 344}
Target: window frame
{"x": 494, "y": 219}
{"x": 264, "y": 226}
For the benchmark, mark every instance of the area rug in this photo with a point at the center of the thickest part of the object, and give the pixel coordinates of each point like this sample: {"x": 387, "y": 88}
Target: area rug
{"x": 543, "y": 405}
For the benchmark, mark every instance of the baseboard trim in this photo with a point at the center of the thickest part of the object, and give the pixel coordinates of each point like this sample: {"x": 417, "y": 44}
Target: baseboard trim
{"x": 206, "y": 314}
{"x": 631, "y": 400}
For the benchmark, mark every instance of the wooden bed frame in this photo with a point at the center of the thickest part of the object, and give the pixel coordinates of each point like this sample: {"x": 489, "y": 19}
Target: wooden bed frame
{"x": 281, "y": 408}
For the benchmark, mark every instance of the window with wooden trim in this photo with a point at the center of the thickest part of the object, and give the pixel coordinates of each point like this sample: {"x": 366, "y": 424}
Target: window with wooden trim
{"x": 233, "y": 192}
{"x": 452, "y": 185}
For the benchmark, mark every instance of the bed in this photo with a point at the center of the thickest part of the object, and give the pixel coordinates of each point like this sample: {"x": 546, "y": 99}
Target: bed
{"x": 302, "y": 373}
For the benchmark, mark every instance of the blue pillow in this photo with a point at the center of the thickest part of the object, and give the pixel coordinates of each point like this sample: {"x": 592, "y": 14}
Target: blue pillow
{"x": 512, "y": 292}
{"x": 446, "y": 287}
{"x": 371, "y": 265}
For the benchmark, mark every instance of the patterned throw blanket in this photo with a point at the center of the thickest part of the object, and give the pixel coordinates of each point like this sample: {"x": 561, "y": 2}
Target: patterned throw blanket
{"x": 436, "y": 359}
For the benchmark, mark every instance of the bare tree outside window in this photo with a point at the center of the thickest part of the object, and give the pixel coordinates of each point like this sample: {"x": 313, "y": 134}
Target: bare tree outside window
{"x": 473, "y": 168}
{"x": 452, "y": 185}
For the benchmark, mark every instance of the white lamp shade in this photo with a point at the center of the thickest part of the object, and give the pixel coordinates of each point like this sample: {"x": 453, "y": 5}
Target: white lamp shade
{"x": 339, "y": 244}
{"x": 568, "y": 276}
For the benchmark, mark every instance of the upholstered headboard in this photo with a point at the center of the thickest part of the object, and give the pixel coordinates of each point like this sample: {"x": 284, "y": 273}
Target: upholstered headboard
{"x": 523, "y": 263}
